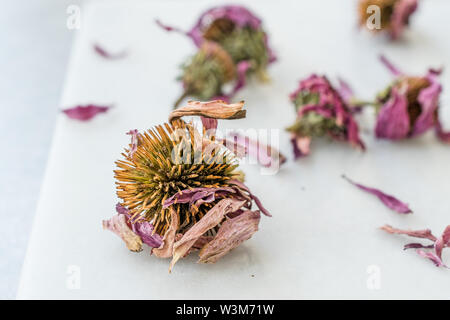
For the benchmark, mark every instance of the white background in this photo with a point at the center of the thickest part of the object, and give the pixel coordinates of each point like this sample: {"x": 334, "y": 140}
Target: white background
{"x": 323, "y": 236}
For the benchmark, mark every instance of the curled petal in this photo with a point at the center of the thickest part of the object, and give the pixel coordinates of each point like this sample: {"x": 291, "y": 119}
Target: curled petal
{"x": 241, "y": 68}
{"x": 107, "y": 55}
{"x": 266, "y": 155}
{"x": 216, "y": 109}
{"x": 231, "y": 234}
{"x": 428, "y": 99}
{"x": 423, "y": 234}
{"x": 442, "y": 242}
{"x": 134, "y": 142}
{"x": 166, "y": 248}
{"x": 403, "y": 9}
{"x": 432, "y": 257}
{"x": 393, "y": 69}
{"x": 301, "y": 146}
{"x": 212, "y": 218}
{"x": 345, "y": 91}
{"x": 196, "y": 196}
{"x": 393, "y": 118}
{"x": 119, "y": 226}
{"x": 258, "y": 202}
{"x": 390, "y": 201}
{"x": 85, "y": 113}
{"x": 417, "y": 246}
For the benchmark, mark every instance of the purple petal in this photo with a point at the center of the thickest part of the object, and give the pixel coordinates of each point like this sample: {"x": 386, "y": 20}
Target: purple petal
{"x": 242, "y": 68}
{"x": 442, "y": 242}
{"x": 258, "y": 202}
{"x": 422, "y": 234}
{"x": 393, "y": 118}
{"x": 345, "y": 91}
{"x": 209, "y": 124}
{"x": 417, "y": 246}
{"x": 432, "y": 257}
{"x": 428, "y": 99}
{"x": 196, "y": 196}
{"x": 266, "y": 156}
{"x": 107, "y": 55}
{"x": 300, "y": 146}
{"x": 403, "y": 9}
{"x": 390, "y": 201}
{"x": 85, "y": 113}
{"x": 119, "y": 226}
{"x": 134, "y": 141}
{"x": 390, "y": 66}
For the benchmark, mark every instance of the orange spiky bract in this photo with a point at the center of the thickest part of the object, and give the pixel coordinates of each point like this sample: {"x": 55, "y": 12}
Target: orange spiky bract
{"x": 161, "y": 167}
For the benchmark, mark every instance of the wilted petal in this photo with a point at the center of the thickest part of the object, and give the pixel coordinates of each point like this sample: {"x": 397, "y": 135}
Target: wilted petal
{"x": 390, "y": 201}
{"x": 134, "y": 142}
{"x": 266, "y": 156}
{"x": 242, "y": 68}
{"x": 393, "y": 118}
{"x": 118, "y": 225}
{"x": 212, "y": 218}
{"x": 107, "y": 55}
{"x": 345, "y": 91}
{"x": 400, "y": 16}
{"x": 258, "y": 202}
{"x": 432, "y": 257}
{"x": 442, "y": 242}
{"x": 390, "y": 66}
{"x": 423, "y": 234}
{"x": 194, "y": 195}
{"x": 84, "y": 113}
{"x": 417, "y": 246}
{"x": 300, "y": 146}
{"x": 216, "y": 109}
{"x": 231, "y": 234}
{"x": 429, "y": 100}
{"x": 166, "y": 249}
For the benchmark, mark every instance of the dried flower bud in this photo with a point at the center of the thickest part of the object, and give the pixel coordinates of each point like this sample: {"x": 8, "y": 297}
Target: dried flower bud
{"x": 394, "y": 15}
{"x": 321, "y": 111}
{"x": 182, "y": 191}
{"x": 409, "y": 106}
{"x": 239, "y": 33}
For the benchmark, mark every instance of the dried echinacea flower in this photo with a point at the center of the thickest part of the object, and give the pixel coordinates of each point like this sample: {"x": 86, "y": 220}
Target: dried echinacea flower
{"x": 181, "y": 189}
{"x": 409, "y": 106}
{"x": 432, "y": 251}
{"x": 239, "y": 33}
{"x": 394, "y": 15}
{"x": 322, "y": 111}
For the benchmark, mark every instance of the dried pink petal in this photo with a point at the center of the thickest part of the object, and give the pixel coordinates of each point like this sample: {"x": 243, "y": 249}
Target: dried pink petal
{"x": 196, "y": 196}
{"x": 432, "y": 257}
{"x": 300, "y": 146}
{"x": 166, "y": 249}
{"x": 212, "y": 218}
{"x": 119, "y": 226}
{"x": 345, "y": 91}
{"x": 423, "y": 234}
{"x": 241, "y": 68}
{"x": 231, "y": 234}
{"x": 266, "y": 155}
{"x": 390, "y": 201}
{"x": 403, "y": 9}
{"x": 85, "y": 113}
{"x": 134, "y": 141}
{"x": 242, "y": 186}
{"x": 216, "y": 109}
{"x": 417, "y": 246}
{"x": 107, "y": 55}
{"x": 393, "y": 118}
{"x": 393, "y": 69}
{"x": 442, "y": 242}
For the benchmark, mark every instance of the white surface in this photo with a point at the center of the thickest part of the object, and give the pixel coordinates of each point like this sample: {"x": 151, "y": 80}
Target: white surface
{"x": 323, "y": 236}
{"x": 35, "y": 46}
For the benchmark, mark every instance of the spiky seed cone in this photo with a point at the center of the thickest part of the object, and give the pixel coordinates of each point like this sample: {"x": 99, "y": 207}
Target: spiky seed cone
{"x": 162, "y": 166}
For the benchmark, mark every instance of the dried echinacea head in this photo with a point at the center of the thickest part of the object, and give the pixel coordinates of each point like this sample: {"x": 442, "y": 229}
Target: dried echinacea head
{"x": 409, "y": 106}
{"x": 239, "y": 33}
{"x": 321, "y": 111}
{"x": 181, "y": 189}
{"x": 391, "y": 16}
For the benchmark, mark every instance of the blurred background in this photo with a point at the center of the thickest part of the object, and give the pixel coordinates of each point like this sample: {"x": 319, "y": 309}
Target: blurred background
{"x": 35, "y": 46}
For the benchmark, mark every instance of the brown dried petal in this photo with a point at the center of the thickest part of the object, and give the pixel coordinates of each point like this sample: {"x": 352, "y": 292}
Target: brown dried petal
{"x": 212, "y": 218}
{"x": 231, "y": 234}
{"x": 216, "y": 109}
{"x": 119, "y": 226}
{"x": 166, "y": 249}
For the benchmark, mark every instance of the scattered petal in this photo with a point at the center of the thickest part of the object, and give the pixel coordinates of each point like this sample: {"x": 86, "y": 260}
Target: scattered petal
{"x": 417, "y": 246}
{"x": 300, "y": 146}
{"x": 390, "y": 201}
{"x": 345, "y": 91}
{"x": 212, "y": 218}
{"x": 119, "y": 226}
{"x": 423, "y": 234}
{"x": 432, "y": 257}
{"x": 393, "y": 69}
{"x": 216, "y": 109}
{"x": 107, "y": 55}
{"x": 85, "y": 113}
{"x": 231, "y": 234}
